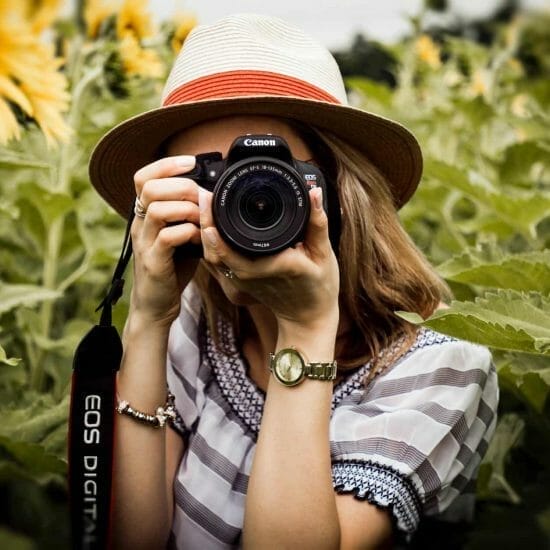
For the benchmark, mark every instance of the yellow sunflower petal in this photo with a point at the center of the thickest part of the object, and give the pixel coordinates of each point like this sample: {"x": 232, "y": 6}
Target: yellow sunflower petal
{"x": 9, "y": 129}
{"x": 43, "y": 14}
{"x": 185, "y": 22}
{"x": 29, "y": 71}
{"x": 428, "y": 51}
{"x": 133, "y": 18}
{"x": 139, "y": 61}
{"x": 95, "y": 12}
{"x": 10, "y": 91}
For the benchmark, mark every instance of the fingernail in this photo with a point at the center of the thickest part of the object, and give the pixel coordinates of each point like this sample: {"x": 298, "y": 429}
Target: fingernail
{"x": 211, "y": 236}
{"x": 202, "y": 200}
{"x": 185, "y": 161}
{"x": 318, "y": 198}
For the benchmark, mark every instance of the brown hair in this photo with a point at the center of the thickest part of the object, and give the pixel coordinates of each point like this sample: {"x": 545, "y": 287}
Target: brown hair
{"x": 381, "y": 270}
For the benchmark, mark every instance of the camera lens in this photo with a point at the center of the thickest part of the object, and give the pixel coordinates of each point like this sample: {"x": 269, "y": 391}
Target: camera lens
{"x": 260, "y": 206}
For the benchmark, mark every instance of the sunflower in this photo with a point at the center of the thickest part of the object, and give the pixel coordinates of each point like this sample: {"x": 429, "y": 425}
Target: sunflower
{"x": 9, "y": 128}
{"x": 185, "y": 22}
{"x": 133, "y": 24}
{"x": 139, "y": 61}
{"x": 29, "y": 72}
{"x": 42, "y": 14}
{"x": 95, "y": 12}
{"x": 134, "y": 19}
{"x": 428, "y": 51}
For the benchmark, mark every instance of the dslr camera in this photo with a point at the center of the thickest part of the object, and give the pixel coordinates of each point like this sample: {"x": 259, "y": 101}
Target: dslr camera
{"x": 260, "y": 200}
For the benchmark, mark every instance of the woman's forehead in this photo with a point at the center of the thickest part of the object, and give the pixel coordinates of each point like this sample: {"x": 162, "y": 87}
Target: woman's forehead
{"x": 219, "y": 134}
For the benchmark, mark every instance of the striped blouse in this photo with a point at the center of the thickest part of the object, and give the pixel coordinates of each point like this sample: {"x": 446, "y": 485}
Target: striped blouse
{"x": 412, "y": 442}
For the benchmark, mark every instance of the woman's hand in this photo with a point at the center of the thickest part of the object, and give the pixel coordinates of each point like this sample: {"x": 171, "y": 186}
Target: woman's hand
{"x": 171, "y": 220}
{"x": 299, "y": 285}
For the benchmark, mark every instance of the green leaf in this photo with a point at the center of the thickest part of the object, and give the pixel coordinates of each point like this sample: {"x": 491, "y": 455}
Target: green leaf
{"x": 36, "y": 421}
{"x": 32, "y": 457}
{"x": 521, "y": 209}
{"x": 14, "y": 160}
{"x": 488, "y": 265}
{"x": 507, "y": 436}
{"x": 49, "y": 204}
{"x": 506, "y": 320}
{"x": 12, "y": 361}
{"x": 11, "y": 540}
{"x": 12, "y": 296}
{"x": 374, "y": 93}
{"x": 521, "y": 158}
{"x": 529, "y": 375}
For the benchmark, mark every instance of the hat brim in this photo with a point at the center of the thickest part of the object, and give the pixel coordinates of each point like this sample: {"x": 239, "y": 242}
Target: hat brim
{"x": 135, "y": 142}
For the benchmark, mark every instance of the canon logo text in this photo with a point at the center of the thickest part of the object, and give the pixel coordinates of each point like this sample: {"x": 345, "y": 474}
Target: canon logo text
{"x": 259, "y": 142}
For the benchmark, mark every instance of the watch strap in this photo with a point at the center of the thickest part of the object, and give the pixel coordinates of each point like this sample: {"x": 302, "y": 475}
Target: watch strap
{"x": 321, "y": 371}
{"x": 315, "y": 370}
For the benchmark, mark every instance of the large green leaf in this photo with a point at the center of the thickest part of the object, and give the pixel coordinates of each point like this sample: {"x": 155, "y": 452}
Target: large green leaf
{"x": 49, "y": 203}
{"x": 524, "y": 161}
{"x": 507, "y": 320}
{"x": 31, "y": 457}
{"x": 490, "y": 266}
{"x": 12, "y": 296}
{"x": 528, "y": 375}
{"x": 522, "y": 209}
{"x": 36, "y": 421}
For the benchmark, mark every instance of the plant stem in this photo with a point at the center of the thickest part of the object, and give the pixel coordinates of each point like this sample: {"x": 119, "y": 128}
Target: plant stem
{"x": 55, "y": 231}
{"x": 79, "y": 271}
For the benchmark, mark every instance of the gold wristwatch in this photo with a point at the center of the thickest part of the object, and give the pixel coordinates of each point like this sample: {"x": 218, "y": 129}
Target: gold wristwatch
{"x": 290, "y": 368}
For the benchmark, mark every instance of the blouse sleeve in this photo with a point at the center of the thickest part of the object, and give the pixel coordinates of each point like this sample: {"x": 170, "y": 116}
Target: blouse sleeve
{"x": 413, "y": 440}
{"x": 186, "y": 373}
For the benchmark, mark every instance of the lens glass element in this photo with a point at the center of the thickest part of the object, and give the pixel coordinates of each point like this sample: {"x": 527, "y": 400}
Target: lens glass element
{"x": 260, "y": 206}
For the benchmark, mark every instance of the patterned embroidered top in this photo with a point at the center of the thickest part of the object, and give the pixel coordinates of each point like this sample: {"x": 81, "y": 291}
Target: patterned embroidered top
{"x": 411, "y": 443}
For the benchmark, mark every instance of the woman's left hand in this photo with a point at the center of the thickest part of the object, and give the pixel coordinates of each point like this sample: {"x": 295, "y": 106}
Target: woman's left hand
{"x": 299, "y": 284}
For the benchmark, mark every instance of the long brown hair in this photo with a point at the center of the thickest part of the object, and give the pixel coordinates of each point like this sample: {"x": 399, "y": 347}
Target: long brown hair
{"x": 381, "y": 270}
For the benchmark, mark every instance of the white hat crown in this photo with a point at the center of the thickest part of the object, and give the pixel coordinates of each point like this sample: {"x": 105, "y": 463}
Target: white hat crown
{"x": 258, "y": 45}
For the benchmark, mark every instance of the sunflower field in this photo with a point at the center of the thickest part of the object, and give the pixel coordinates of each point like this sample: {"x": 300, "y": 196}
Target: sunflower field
{"x": 481, "y": 214}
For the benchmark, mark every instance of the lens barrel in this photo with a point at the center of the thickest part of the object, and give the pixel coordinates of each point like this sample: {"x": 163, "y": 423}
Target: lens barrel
{"x": 261, "y": 205}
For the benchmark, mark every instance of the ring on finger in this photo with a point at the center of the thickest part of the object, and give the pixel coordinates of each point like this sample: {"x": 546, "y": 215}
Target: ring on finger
{"x": 139, "y": 209}
{"x": 228, "y": 273}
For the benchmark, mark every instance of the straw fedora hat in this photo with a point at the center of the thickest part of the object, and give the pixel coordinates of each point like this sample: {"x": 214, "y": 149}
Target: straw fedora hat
{"x": 252, "y": 65}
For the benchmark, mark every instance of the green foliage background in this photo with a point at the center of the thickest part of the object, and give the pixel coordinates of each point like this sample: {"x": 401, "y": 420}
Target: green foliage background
{"x": 482, "y": 215}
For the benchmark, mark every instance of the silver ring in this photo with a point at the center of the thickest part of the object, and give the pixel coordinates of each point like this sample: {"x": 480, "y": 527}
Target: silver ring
{"x": 139, "y": 209}
{"x": 228, "y": 273}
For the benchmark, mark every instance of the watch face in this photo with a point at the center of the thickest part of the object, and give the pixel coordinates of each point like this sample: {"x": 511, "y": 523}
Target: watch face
{"x": 289, "y": 367}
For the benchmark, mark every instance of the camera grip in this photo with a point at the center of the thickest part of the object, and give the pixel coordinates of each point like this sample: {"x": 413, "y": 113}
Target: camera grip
{"x": 188, "y": 250}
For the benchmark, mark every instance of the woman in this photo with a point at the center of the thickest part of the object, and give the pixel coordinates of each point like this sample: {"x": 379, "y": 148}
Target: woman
{"x": 345, "y": 459}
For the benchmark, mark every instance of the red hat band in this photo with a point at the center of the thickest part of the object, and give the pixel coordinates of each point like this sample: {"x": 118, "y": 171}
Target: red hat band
{"x": 246, "y": 83}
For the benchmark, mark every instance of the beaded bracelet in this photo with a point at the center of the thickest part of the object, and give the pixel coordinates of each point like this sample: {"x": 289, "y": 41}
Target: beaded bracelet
{"x": 157, "y": 420}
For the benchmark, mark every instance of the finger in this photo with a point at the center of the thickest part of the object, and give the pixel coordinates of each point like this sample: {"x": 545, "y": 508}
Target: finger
{"x": 316, "y": 239}
{"x": 168, "y": 189}
{"x": 212, "y": 244}
{"x": 173, "y": 236}
{"x": 163, "y": 168}
{"x": 205, "y": 208}
{"x": 287, "y": 263}
{"x": 163, "y": 213}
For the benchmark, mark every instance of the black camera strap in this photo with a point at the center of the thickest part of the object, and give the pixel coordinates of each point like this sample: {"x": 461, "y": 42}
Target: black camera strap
{"x": 91, "y": 422}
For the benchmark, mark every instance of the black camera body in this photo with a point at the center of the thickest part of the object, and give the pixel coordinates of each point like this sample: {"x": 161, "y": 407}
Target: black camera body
{"x": 260, "y": 200}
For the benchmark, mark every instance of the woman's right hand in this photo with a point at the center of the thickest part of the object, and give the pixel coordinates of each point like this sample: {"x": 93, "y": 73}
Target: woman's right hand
{"x": 171, "y": 220}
